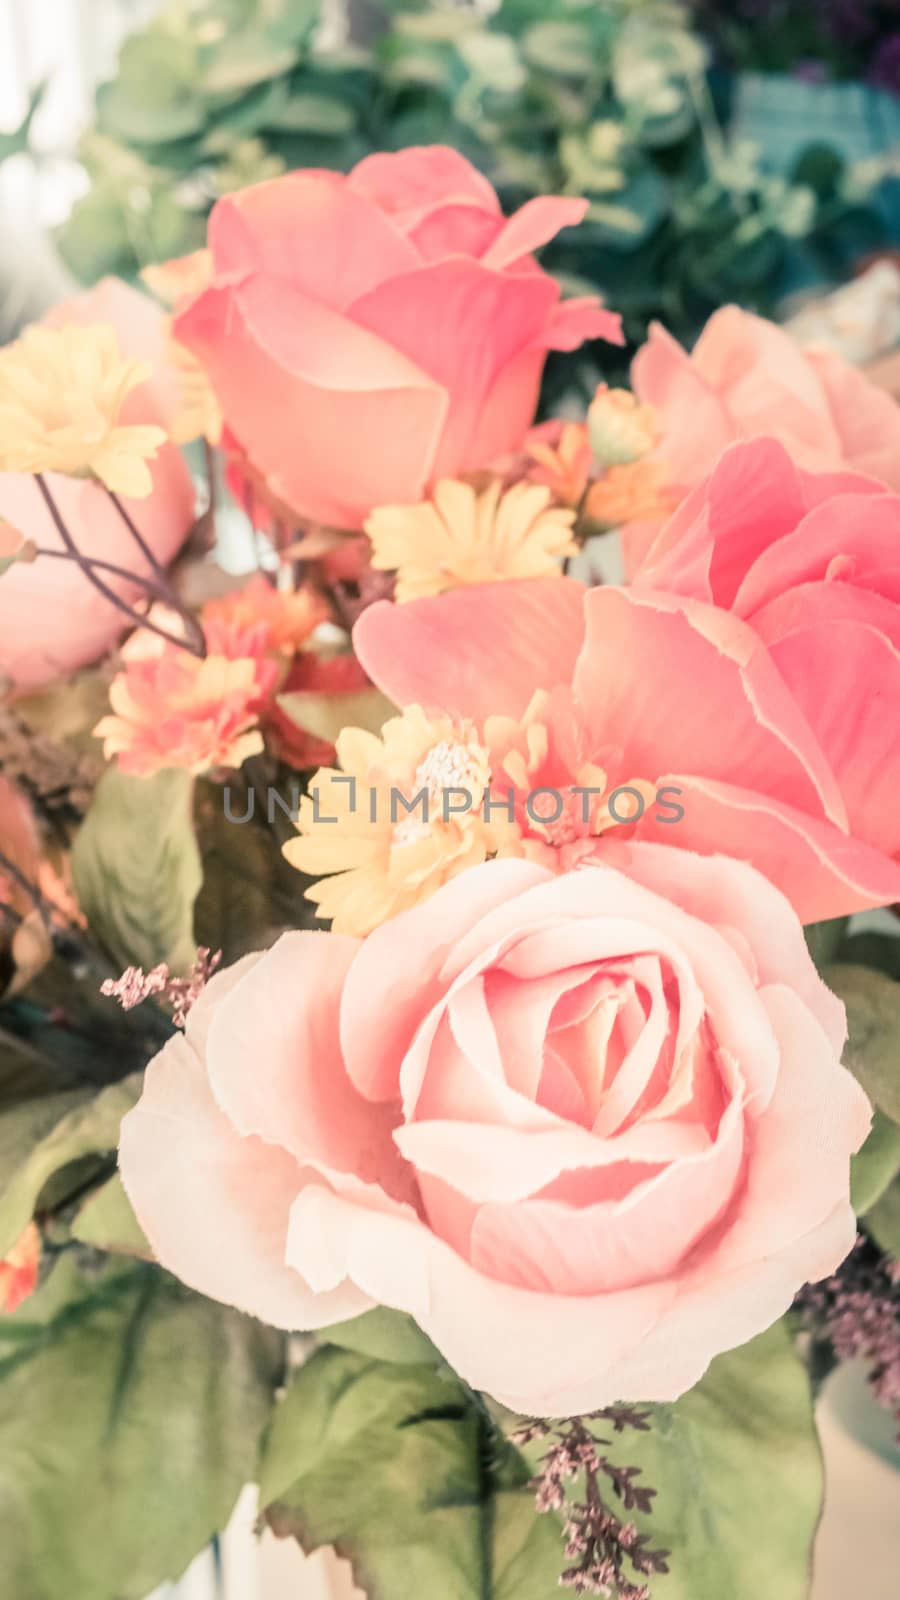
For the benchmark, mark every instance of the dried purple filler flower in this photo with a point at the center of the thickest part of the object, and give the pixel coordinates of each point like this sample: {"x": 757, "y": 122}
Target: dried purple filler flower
{"x": 135, "y": 985}
{"x": 857, "y": 1312}
{"x": 597, "y": 1541}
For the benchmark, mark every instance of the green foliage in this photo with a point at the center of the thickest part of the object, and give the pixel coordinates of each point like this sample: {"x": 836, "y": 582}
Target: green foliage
{"x": 871, "y": 995}
{"x": 873, "y": 1021}
{"x": 883, "y": 1221}
{"x": 875, "y": 1166}
{"x": 16, "y": 142}
{"x": 402, "y": 1470}
{"x": 136, "y": 868}
{"x": 250, "y": 895}
{"x": 107, "y": 1222}
{"x": 53, "y": 1138}
{"x": 607, "y": 100}
{"x": 130, "y": 1417}
{"x": 384, "y": 1335}
{"x": 738, "y": 1475}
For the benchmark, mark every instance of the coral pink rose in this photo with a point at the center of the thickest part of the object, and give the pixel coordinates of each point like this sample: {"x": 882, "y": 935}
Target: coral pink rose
{"x": 654, "y": 689}
{"x": 746, "y": 378}
{"x": 588, "y": 1130}
{"x": 52, "y": 620}
{"x": 19, "y": 1270}
{"x": 811, "y": 562}
{"x": 368, "y": 334}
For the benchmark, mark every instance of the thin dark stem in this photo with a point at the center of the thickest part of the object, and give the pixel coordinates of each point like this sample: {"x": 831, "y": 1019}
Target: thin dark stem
{"x": 104, "y": 566}
{"x": 87, "y": 567}
{"x": 9, "y": 869}
{"x": 160, "y": 574}
{"x": 139, "y": 539}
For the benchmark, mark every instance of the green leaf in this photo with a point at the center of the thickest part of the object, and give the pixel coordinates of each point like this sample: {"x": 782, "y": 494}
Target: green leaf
{"x": 242, "y": 61}
{"x": 309, "y": 112}
{"x": 130, "y": 1417}
{"x": 326, "y": 715}
{"x": 40, "y": 1139}
{"x": 250, "y": 894}
{"x": 883, "y": 1221}
{"x": 397, "y": 1467}
{"x": 384, "y": 1335}
{"x": 873, "y": 1021}
{"x": 107, "y": 1222}
{"x": 874, "y": 1167}
{"x": 563, "y": 47}
{"x": 738, "y": 1475}
{"x": 873, "y": 949}
{"x": 136, "y": 868}
{"x": 824, "y": 939}
{"x": 14, "y": 143}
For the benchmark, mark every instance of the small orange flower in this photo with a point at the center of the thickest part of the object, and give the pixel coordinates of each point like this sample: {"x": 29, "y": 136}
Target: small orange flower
{"x": 560, "y": 458}
{"x": 173, "y": 282}
{"x": 170, "y": 709}
{"x": 633, "y": 493}
{"x": 19, "y": 1270}
{"x": 282, "y": 621}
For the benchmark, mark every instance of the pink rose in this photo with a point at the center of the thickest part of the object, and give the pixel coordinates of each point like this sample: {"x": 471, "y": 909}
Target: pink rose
{"x": 811, "y": 562}
{"x": 370, "y": 333}
{"x": 52, "y": 620}
{"x": 745, "y": 378}
{"x": 653, "y": 689}
{"x": 588, "y": 1130}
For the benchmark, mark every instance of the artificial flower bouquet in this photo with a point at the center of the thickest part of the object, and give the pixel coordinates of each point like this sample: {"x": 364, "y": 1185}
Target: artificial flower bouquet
{"x": 427, "y": 970}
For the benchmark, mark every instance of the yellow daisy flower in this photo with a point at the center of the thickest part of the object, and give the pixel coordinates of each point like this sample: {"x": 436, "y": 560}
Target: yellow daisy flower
{"x": 388, "y": 826}
{"x": 460, "y": 537}
{"x": 61, "y": 395}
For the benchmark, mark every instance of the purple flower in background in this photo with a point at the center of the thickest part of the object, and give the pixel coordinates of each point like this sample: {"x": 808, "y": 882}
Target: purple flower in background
{"x": 849, "y": 21}
{"x": 810, "y": 72}
{"x": 885, "y": 68}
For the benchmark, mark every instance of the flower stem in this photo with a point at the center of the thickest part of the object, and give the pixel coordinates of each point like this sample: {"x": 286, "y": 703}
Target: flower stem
{"x": 104, "y": 566}
{"x": 88, "y": 568}
{"x": 161, "y": 575}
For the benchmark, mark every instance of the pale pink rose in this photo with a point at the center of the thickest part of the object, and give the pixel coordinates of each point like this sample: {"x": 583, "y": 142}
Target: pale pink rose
{"x": 589, "y": 1130}
{"x": 654, "y": 689}
{"x": 746, "y": 378}
{"x": 367, "y": 334}
{"x": 810, "y": 562}
{"x": 52, "y": 620}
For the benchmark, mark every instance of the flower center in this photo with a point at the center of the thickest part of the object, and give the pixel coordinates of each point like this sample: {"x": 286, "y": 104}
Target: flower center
{"x": 449, "y": 765}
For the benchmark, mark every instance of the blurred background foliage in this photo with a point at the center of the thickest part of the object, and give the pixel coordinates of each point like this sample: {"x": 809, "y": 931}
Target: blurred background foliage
{"x": 623, "y": 101}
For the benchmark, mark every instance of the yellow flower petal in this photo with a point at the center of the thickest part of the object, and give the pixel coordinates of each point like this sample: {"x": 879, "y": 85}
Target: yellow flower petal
{"x": 461, "y": 537}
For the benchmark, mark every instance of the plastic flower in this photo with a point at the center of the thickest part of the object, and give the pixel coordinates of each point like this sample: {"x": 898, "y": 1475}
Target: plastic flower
{"x": 437, "y": 794}
{"x": 631, "y": 493}
{"x": 460, "y": 537}
{"x": 199, "y": 416}
{"x": 385, "y": 853}
{"x": 621, "y": 430}
{"x": 19, "y": 1270}
{"x": 559, "y": 456}
{"x": 177, "y": 281}
{"x": 281, "y": 621}
{"x": 170, "y": 709}
{"x": 61, "y": 394}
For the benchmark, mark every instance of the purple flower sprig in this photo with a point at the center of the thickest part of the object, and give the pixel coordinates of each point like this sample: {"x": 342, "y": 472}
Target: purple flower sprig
{"x": 598, "y": 1543}
{"x": 135, "y": 985}
{"x": 857, "y": 1312}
